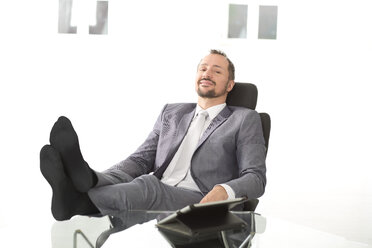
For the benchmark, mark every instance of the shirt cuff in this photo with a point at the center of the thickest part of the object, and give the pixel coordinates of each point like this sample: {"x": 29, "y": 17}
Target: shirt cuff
{"x": 230, "y": 192}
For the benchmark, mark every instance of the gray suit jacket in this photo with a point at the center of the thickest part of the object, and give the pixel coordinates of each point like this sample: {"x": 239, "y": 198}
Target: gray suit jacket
{"x": 231, "y": 150}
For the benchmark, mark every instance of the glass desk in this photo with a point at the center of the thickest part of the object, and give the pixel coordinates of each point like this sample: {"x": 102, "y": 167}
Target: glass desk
{"x": 138, "y": 229}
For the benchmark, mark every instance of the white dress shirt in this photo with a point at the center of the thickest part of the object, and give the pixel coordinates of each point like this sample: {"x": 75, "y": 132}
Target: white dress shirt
{"x": 188, "y": 182}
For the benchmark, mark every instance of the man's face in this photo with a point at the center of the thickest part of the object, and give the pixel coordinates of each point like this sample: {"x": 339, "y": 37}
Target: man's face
{"x": 212, "y": 78}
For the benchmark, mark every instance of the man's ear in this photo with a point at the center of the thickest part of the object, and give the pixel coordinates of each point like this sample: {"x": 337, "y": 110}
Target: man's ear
{"x": 230, "y": 85}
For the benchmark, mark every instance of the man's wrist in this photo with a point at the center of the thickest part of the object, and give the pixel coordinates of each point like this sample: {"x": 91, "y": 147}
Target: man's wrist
{"x": 230, "y": 192}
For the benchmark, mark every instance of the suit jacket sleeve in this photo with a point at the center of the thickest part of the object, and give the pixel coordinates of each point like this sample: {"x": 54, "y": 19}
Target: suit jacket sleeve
{"x": 143, "y": 159}
{"x": 251, "y": 155}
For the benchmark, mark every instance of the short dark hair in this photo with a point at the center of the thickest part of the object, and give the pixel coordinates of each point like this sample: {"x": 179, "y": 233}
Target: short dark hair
{"x": 231, "y": 67}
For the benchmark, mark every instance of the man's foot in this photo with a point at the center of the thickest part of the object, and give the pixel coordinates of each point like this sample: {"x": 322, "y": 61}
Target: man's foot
{"x": 65, "y": 140}
{"x": 66, "y": 200}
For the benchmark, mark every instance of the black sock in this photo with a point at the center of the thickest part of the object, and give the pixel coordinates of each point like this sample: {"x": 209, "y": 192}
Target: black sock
{"x": 66, "y": 200}
{"x": 65, "y": 140}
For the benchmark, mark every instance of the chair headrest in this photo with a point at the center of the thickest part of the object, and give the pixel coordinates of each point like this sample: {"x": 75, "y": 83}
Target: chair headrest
{"x": 243, "y": 95}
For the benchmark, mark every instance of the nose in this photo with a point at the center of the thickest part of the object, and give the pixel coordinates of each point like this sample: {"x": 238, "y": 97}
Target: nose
{"x": 207, "y": 74}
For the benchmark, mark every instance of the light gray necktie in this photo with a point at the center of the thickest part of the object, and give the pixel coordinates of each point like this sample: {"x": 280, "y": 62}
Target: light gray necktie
{"x": 186, "y": 150}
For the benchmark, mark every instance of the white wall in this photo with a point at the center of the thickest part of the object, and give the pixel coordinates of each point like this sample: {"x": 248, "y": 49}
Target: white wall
{"x": 313, "y": 80}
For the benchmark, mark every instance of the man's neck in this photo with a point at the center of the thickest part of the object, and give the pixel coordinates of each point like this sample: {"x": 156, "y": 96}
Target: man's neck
{"x": 206, "y": 103}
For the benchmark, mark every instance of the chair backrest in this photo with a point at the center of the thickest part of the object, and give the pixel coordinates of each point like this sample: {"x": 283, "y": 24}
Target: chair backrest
{"x": 266, "y": 127}
{"x": 245, "y": 95}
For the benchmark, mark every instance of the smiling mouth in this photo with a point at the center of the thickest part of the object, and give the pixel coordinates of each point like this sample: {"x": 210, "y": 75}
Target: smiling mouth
{"x": 206, "y": 82}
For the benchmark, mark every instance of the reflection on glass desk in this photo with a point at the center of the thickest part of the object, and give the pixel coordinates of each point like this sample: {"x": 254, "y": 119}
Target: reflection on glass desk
{"x": 138, "y": 229}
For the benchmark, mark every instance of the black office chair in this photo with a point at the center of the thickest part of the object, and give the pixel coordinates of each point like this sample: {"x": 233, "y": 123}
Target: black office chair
{"x": 245, "y": 95}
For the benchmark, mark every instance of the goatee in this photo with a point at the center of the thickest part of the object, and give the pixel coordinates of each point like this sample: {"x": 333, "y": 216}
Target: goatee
{"x": 210, "y": 93}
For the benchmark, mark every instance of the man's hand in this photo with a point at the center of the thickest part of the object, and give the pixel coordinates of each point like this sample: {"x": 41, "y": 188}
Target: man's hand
{"x": 218, "y": 193}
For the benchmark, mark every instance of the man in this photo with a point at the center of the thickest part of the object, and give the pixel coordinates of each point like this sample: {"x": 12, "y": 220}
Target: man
{"x": 195, "y": 153}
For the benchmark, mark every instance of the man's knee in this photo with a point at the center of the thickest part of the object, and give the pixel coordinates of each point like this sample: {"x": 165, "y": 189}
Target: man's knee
{"x": 141, "y": 193}
{"x": 148, "y": 181}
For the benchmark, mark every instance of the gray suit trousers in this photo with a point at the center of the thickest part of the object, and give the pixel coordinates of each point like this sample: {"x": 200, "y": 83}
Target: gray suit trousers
{"x": 115, "y": 193}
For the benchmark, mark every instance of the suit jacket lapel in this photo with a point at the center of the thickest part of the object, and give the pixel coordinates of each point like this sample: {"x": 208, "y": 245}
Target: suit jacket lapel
{"x": 216, "y": 122}
{"x": 182, "y": 128}
{"x": 180, "y": 133}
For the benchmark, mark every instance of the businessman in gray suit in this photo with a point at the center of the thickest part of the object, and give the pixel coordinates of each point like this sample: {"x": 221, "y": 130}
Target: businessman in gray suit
{"x": 196, "y": 152}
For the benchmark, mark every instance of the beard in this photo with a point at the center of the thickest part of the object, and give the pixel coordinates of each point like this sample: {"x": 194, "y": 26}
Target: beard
{"x": 210, "y": 93}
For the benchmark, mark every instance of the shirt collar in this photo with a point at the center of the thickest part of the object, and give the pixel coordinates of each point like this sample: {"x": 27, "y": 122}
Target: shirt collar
{"x": 212, "y": 111}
